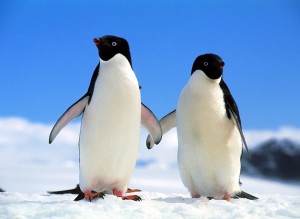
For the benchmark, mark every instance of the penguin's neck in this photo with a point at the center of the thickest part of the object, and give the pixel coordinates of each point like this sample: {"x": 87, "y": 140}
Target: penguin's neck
{"x": 118, "y": 61}
{"x": 116, "y": 75}
{"x": 199, "y": 82}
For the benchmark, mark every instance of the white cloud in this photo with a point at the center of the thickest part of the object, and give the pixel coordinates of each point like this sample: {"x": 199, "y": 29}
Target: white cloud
{"x": 26, "y": 140}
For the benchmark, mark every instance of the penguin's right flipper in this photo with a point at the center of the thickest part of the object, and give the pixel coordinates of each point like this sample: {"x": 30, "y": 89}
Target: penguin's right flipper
{"x": 238, "y": 124}
{"x": 246, "y": 195}
{"x": 150, "y": 122}
{"x": 76, "y": 190}
{"x": 73, "y": 111}
{"x": 167, "y": 122}
{"x": 1, "y": 190}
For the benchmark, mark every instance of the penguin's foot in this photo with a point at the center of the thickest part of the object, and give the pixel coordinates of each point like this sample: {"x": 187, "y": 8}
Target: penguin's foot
{"x": 132, "y": 197}
{"x": 133, "y": 190}
{"x": 227, "y": 197}
{"x": 89, "y": 195}
{"x": 129, "y": 197}
{"x": 93, "y": 195}
{"x": 196, "y": 196}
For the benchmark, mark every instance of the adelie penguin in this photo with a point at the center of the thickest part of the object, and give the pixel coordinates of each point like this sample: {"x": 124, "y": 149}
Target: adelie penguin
{"x": 209, "y": 131}
{"x": 112, "y": 114}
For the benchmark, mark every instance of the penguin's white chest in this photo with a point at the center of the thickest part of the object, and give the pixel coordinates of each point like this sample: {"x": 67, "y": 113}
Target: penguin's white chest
{"x": 110, "y": 128}
{"x": 209, "y": 144}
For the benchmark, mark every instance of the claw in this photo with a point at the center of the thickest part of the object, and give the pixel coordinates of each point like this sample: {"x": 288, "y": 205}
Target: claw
{"x": 89, "y": 196}
{"x": 93, "y": 195}
{"x": 100, "y": 195}
{"x": 132, "y": 197}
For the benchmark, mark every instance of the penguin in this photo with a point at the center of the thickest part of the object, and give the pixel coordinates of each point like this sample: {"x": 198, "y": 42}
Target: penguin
{"x": 111, "y": 116}
{"x": 209, "y": 131}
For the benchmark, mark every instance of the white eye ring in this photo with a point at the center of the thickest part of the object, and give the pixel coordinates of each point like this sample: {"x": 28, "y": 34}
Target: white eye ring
{"x": 205, "y": 63}
{"x": 113, "y": 43}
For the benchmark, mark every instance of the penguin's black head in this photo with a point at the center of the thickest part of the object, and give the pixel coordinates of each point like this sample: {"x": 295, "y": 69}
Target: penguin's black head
{"x": 211, "y": 64}
{"x": 108, "y": 46}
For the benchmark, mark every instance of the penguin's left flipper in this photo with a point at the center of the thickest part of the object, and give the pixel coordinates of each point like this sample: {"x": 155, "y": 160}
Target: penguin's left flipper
{"x": 236, "y": 121}
{"x": 150, "y": 122}
{"x": 76, "y": 190}
{"x": 233, "y": 111}
{"x": 167, "y": 122}
{"x": 73, "y": 111}
{"x": 246, "y": 195}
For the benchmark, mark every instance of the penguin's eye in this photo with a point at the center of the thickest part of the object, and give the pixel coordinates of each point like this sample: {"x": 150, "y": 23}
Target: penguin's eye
{"x": 113, "y": 43}
{"x": 205, "y": 63}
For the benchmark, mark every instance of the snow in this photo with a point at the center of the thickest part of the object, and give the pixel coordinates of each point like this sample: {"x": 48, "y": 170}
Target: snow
{"x": 29, "y": 167}
{"x": 153, "y": 205}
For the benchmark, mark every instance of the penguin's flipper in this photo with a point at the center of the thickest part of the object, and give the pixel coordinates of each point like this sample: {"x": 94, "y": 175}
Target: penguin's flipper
{"x": 236, "y": 121}
{"x": 246, "y": 195}
{"x": 73, "y": 111}
{"x": 76, "y": 190}
{"x": 167, "y": 122}
{"x": 79, "y": 197}
{"x": 150, "y": 122}
{"x": 1, "y": 190}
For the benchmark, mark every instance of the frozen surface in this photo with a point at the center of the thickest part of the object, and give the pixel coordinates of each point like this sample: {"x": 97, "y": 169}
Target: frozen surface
{"x": 153, "y": 205}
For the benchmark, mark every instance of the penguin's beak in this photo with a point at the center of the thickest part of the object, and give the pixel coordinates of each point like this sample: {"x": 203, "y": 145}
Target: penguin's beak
{"x": 97, "y": 41}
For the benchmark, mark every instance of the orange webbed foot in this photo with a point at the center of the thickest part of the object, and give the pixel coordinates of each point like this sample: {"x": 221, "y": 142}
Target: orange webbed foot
{"x": 132, "y": 197}
{"x": 129, "y": 197}
{"x": 227, "y": 197}
{"x": 89, "y": 196}
{"x": 133, "y": 190}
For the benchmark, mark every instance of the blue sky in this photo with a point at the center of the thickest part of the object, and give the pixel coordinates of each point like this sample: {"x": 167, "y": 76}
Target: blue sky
{"x": 47, "y": 54}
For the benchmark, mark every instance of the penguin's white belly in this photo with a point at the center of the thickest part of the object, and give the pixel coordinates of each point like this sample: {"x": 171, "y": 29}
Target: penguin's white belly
{"x": 209, "y": 144}
{"x": 110, "y": 132}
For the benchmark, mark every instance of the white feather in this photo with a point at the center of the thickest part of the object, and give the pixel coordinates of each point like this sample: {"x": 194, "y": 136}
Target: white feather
{"x": 209, "y": 144}
{"x": 110, "y": 128}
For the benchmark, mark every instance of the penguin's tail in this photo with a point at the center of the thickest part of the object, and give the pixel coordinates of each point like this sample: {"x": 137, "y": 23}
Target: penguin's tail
{"x": 76, "y": 190}
{"x": 246, "y": 195}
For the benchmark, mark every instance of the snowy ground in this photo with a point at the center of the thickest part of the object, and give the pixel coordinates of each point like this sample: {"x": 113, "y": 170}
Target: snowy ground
{"x": 163, "y": 197}
{"x": 29, "y": 167}
{"x": 154, "y": 205}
